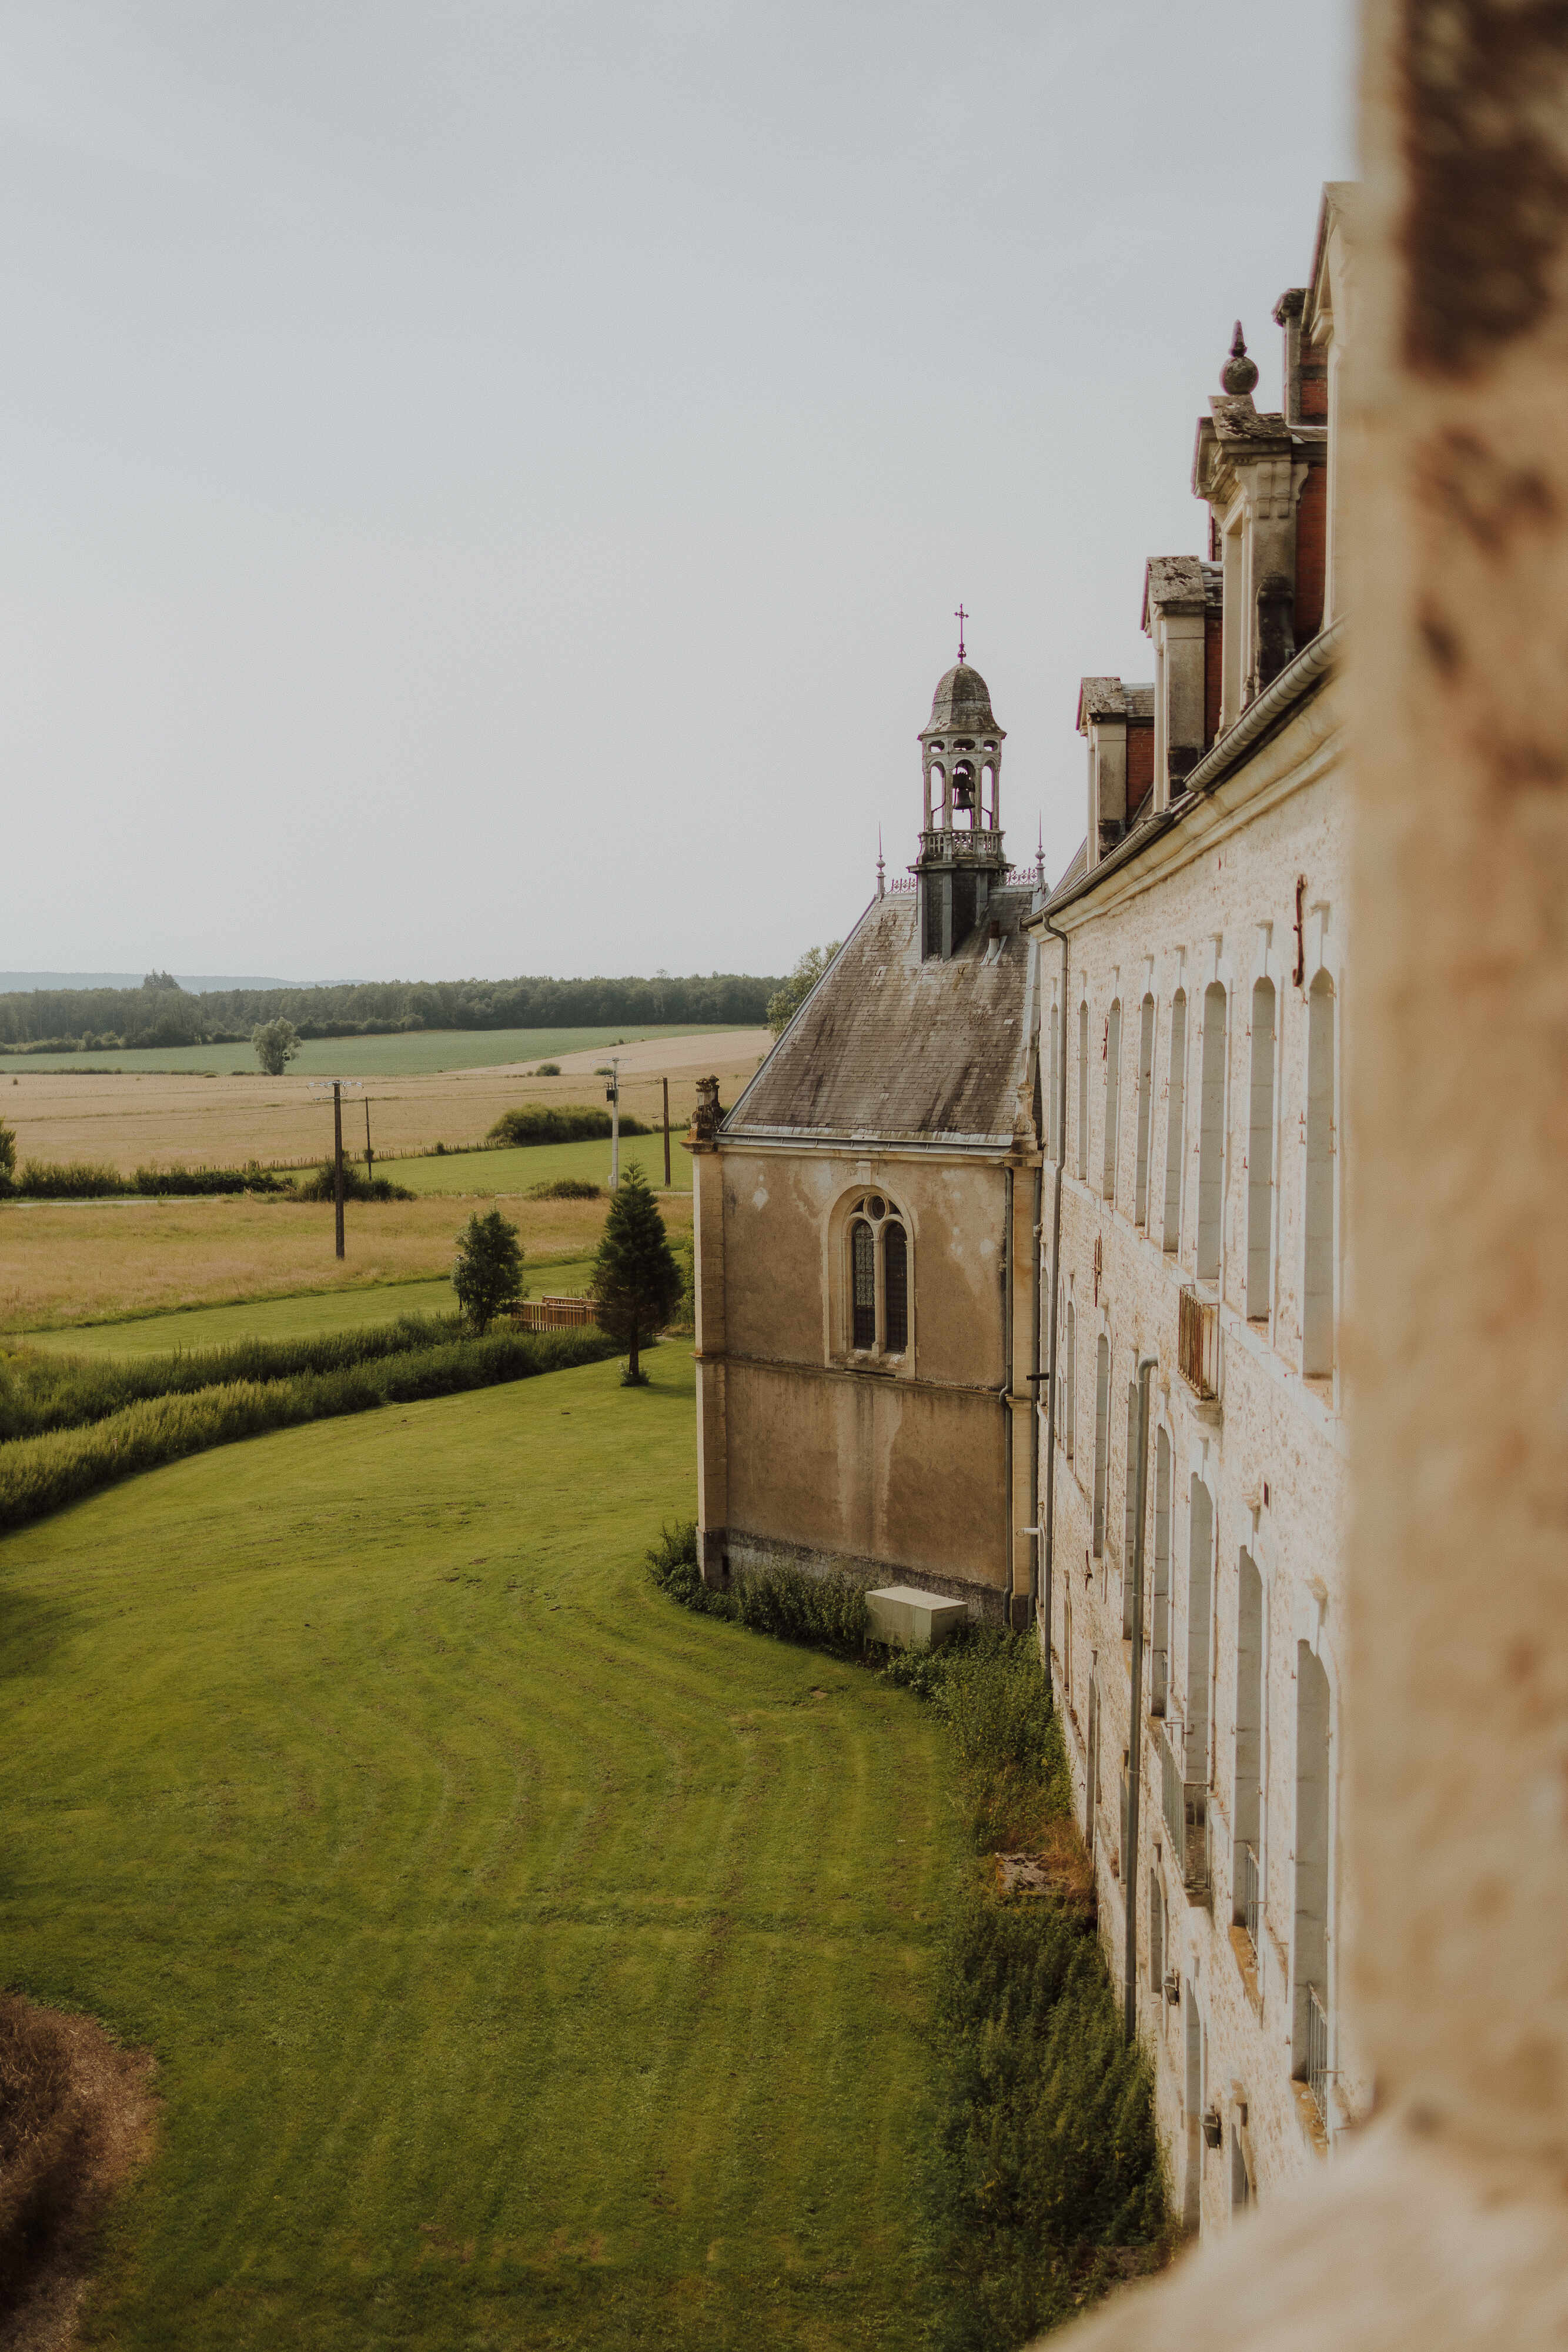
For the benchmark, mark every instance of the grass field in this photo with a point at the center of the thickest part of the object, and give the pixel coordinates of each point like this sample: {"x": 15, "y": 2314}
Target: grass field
{"x": 61, "y": 1266}
{"x": 538, "y": 1163}
{"x": 406, "y": 1055}
{"x": 528, "y": 1961}
{"x": 300, "y": 1318}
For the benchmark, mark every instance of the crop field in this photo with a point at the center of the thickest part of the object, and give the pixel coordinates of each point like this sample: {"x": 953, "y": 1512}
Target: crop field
{"x": 62, "y": 1265}
{"x": 527, "y": 1961}
{"x": 408, "y": 1053}
{"x": 488, "y": 1172}
{"x": 163, "y": 1121}
{"x": 302, "y": 1317}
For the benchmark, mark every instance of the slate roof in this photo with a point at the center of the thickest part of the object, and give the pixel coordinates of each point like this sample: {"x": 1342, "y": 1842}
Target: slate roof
{"x": 888, "y": 1049}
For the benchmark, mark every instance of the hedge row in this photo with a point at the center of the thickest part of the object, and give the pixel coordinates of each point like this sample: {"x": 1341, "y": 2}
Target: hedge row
{"x": 41, "y": 1391}
{"x": 38, "y": 1475}
{"x": 82, "y": 1180}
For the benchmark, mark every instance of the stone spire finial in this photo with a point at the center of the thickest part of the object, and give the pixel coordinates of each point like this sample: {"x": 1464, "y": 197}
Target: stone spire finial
{"x": 881, "y": 869}
{"x": 1239, "y": 373}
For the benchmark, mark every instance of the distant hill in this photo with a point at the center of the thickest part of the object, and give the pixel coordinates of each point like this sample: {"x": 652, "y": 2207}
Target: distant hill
{"x": 199, "y": 983}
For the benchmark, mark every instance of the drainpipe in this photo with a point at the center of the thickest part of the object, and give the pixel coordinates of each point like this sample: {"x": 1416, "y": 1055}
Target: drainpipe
{"x": 1048, "y": 1543}
{"x": 1134, "y": 1714}
{"x": 1008, "y": 1370}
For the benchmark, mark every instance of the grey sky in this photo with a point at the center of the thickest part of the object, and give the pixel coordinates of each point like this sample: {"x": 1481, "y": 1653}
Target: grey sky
{"x": 486, "y": 486}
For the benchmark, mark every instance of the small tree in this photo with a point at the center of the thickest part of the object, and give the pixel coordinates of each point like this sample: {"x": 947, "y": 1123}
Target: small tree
{"x": 636, "y": 1284}
{"x": 786, "y": 1001}
{"x": 7, "y": 1157}
{"x": 488, "y": 1273}
{"x": 275, "y": 1043}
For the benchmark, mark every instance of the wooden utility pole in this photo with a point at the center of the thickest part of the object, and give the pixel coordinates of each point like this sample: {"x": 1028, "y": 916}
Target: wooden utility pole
{"x": 613, "y": 1096}
{"x": 666, "y": 1086}
{"x": 370, "y": 1156}
{"x": 338, "y": 1087}
{"x": 338, "y": 1157}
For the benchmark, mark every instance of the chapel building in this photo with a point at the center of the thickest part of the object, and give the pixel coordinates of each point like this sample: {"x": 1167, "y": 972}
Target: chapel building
{"x": 867, "y": 1299}
{"x": 1195, "y": 962}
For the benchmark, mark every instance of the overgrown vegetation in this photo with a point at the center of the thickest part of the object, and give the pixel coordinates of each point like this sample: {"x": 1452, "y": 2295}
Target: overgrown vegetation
{"x": 566, "y": 1188}
{"x": 560, "y": 1123}
{"x": 38, "y": 1475}
{"x": 1045, "y": 2185}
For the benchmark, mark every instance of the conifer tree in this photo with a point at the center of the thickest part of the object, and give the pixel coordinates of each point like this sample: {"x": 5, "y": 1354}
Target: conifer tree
{"x": 488, "y": 1273}
{"x": 636, "y": 1284}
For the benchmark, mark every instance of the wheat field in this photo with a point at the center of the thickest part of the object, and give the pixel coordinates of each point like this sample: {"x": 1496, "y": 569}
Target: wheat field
{"x": 63, "y": 1263}
{"x": 190, "y": 1121}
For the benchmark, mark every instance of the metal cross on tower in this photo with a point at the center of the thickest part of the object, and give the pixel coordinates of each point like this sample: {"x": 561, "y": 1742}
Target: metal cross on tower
{"x": 960, "y": 616}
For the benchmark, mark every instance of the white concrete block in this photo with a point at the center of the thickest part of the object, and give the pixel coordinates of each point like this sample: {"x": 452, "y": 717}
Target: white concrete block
{"x": 913, "y": 1620}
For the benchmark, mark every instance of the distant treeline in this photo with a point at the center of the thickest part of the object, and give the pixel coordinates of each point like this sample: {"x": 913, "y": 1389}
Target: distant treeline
{"x": 160, "y": 1012}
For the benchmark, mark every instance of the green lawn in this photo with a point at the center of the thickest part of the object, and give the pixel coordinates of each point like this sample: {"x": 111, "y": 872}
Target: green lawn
{"x": 403, "y": 1056}
{"x": 538, "y": 1163}
{"x": 299, "y": 1318}
{"x": 528, "y": 1962}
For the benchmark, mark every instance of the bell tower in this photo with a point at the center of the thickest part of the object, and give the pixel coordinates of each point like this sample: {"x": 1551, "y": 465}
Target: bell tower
{"x": 961, "y": 860}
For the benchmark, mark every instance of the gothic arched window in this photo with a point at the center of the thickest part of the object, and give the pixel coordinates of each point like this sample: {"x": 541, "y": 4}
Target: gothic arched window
{"x": 878, "y": 1278}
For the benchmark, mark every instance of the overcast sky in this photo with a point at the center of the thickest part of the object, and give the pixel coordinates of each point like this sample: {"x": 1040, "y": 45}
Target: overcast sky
{"x": 486, "y": 482}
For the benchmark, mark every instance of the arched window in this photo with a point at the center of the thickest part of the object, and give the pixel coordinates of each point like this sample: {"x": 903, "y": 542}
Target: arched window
{"x": 1260, "y": 1155}
{"x": 1211, "y": 1135}
{"x": 895, "y": 1288}
{"x": 1130, "y": 1537}
{"x": 1317, "y": 1298}
{"x": 1145, "y": 1111}
{"x": 1112, "y": 1097}
{"x": 1175, "y": 1121}
{"x": 1102, "y": 1440}
{"x": 1069, "y": 1380}
{"x": 1160, "y": 1645}
{"x": 878, "y": 1278}
{"x": 1200, "y": 1614}
{"x": 1083, "y": 1092}
{"x": 988, "y": 793}
{"x": 1246, "y": 1881}
{"x": 862, "y": 1262}
{"x": 1053, "y": 1112}
{"x": 1156, "y": 1936}
{"x": 1311, "y": 1971}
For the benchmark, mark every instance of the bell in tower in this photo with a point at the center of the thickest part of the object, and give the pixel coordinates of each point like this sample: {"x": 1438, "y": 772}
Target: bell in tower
{"x": 961, "y": 860}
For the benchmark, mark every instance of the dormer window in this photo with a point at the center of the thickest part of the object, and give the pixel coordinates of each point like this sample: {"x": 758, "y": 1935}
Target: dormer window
{"x": 878, "y": 1278}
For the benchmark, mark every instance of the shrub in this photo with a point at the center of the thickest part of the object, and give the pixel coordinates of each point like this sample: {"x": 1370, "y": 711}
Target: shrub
{"x": 560, "y": 1123}
{"x": 321, "y": 1185}
{"x": 547, "y": 1070}
{"x": 8, "y": 1155}
{"x": 488, "y": 1275}
{"x": 822, "y": 1613}
{"x": 566, "y": 1188}
{"x": 38, "y": 1475}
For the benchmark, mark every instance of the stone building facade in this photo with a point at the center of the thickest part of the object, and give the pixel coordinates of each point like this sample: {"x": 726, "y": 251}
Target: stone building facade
{"x": 867, "y": 1302}
{"x": 1194, "y": 971}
